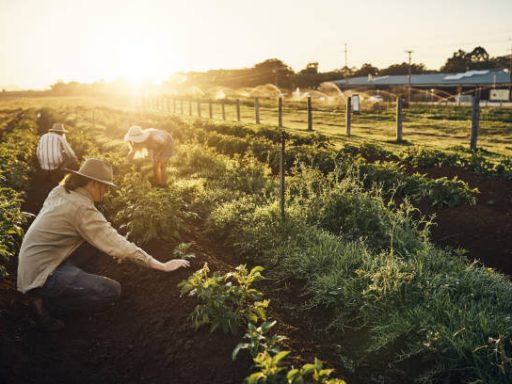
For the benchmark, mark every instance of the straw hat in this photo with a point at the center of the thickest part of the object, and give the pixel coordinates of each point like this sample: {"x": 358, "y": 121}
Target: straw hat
{"x": 58, "y": 128}
{"x": 97, "y": 170}
{"x": 136, "y": 134}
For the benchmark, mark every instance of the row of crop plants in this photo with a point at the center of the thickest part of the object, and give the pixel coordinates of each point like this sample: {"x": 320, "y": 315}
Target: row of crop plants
{"x": 18, "y": 140}
{"x": 317, "y": 151}
{"x": 409, "y": 308}
{"x": 228, "y": 302}
{"x": 238, "y": 138}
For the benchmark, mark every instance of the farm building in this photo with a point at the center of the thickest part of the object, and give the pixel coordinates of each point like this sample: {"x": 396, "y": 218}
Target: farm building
{"x": 490, "y": 84}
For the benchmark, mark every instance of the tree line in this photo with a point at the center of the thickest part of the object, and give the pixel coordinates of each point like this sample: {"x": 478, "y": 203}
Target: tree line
{"x": 275, "y": 71}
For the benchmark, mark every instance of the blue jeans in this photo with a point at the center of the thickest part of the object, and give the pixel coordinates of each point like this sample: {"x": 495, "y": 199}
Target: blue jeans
{"x": 70, "y": 289}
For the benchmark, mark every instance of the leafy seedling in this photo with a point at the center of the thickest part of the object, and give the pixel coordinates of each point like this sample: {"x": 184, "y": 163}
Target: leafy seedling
{"x": 181, "y": 252}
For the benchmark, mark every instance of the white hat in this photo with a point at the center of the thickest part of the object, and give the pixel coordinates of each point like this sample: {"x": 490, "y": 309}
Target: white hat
{"x": 97, "y": 170}
{"x": 136, "y": 134}
{"x": 57, "y": 127}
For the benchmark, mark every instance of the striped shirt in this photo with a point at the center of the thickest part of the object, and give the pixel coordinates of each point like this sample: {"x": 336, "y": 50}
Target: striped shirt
{"x": 52, "y": 150}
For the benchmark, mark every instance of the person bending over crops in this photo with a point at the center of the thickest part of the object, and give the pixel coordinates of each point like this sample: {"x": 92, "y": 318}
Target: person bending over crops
{"x": 158, "y": 142}
{"x": 54, "y": 153}
{"x": 53, "y": 248}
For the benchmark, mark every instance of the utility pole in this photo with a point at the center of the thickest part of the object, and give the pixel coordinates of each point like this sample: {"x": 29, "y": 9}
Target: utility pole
{"x": 409, "y": 52}
{"x": 346, "y": 65}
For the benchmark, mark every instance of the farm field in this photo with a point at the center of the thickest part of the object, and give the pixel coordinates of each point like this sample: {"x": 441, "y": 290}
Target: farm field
{"x": 436, "y": 126}
{"x": 392, "y": 264}
{"x": 431, "y": 125}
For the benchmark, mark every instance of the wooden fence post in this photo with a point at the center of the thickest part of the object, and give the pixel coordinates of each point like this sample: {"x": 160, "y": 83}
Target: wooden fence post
{"x": 190, "y": 107}
{"x": 181, "y": 106}
{"x": 348, "y": 115}
{"x": 310, "y": 115}
{"x": 399, "y": 120}
{"x": 210, "y": 109}
{"x": 475, "y": 120}
{"x": 280, "y": 112}
{"x": 199, "y": 108}
{"x": 238, "y": 109}
{"x": 223, "y": 108}
{"x": 257, "y": 110}
{"x": 281, "y": 175}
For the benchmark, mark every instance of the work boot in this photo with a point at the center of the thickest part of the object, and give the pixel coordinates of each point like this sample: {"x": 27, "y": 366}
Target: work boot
{"x": 44, "y": 319}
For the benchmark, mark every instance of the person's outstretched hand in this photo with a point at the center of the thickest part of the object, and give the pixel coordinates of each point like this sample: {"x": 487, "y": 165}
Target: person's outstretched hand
{"x": 170, "y": 265}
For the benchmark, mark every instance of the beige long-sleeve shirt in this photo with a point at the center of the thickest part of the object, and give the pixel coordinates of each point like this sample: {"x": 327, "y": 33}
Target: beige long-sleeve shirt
{"x": 63, "y": 224}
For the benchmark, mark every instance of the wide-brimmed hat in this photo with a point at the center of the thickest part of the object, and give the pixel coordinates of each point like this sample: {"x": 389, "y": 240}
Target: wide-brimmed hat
{"x": 136, "y": 134}
{"x": 97, "y": 170}
{"x": 57, "y": 127}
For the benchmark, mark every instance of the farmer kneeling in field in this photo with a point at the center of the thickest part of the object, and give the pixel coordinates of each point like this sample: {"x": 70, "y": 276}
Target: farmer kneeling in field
{"x": 50, "y": 250}
{"x": 159, "y": 142}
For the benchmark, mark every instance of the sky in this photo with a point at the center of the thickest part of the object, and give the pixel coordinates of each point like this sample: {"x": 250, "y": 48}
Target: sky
{"x": 42, "y": 41}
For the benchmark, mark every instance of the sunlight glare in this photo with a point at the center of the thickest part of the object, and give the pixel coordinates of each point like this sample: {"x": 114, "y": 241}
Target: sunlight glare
{"x": 136, "y": 63}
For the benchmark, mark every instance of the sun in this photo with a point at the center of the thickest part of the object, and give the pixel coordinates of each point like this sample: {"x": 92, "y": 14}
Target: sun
{"x": 137, "y": 62}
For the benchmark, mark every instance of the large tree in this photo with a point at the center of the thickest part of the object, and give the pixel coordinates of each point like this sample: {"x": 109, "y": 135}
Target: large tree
{"x": 403, "y": 69}
{"x": 366, "y": 69}
{"x": 462, "y": 61}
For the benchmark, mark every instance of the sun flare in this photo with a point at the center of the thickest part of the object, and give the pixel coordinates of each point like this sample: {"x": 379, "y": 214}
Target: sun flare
{"x": 135, "y": 62}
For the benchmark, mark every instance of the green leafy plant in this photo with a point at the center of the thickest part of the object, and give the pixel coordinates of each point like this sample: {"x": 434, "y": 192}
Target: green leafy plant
{"x": 146, "y": 213}
{"x": 258, "y": 339}
{"x": 272, "y": 370}
{"x": 269, "y": 368}
{"x": 181, "y": 251}
{"x": 226, "y": 301}
{"x": 449, "y": 192}
{"x": 312, "y": 373}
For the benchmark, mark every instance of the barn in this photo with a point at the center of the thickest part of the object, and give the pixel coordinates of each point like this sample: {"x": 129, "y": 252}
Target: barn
{"x": 491, "y": 85}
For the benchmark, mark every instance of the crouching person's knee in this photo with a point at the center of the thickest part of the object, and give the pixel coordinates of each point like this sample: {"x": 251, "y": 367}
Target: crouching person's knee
{"x": 108, "y": 292}
{"x": 112, "y": 290}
